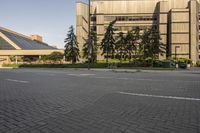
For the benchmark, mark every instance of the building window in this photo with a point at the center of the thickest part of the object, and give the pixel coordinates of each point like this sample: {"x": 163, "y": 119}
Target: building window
{"x": 130, "y": 18}
{"x": 199, "y": 47}
{"x": 94, "y": 18}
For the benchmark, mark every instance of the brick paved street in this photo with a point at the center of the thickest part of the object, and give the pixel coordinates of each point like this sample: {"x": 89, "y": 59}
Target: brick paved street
{"x": 81, "y": 101}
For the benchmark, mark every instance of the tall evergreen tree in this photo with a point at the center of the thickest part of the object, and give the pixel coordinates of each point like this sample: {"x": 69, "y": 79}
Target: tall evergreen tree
{"x": 108, "y": 42}
{"x": 133, "y": 41}
{"x": 120, "y": 45}
{"x": 151, "y": 45}
{"x": 71, "y": 46}
{"x": 90, "y": 45}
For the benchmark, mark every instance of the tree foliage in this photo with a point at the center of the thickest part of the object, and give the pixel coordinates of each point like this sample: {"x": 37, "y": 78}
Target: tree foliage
{"x": 90, "y": 47}
{"x": 54, "y": 56}
{"x": 108, "y": 42}
{"x": 71, "y": 46}
{"x": 151, "y": 46}
{"x": 133, "y": 41}
{"x": 121, "y": 45}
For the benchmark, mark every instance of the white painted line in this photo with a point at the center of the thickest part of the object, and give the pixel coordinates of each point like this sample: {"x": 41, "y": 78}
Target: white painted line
{"x": 87, "y": 74}
{"x": 123, "y": 78}
{"x": 158, "y": 96}
{"x": 72, "y": 74}
{"x": 81, "y": 74}
{"x": 104, "y": 77}
{"x": 19, "y": 81}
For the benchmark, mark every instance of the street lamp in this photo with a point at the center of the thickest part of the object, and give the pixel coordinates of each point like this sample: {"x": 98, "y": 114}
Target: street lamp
{"x": 89, "y": 36}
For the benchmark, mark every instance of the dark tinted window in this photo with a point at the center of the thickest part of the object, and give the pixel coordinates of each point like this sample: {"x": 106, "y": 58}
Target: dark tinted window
{"x": 26, "y": 43}
{"x": 4, "y": 45}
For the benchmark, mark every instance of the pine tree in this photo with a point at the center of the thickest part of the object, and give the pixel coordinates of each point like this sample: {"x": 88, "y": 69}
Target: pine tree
{"x": 121, "y": 45}
{"x": 133, "y": 40}
{"x": 108, "y": 42}
{"x": 71, "y": 46}
{"x": 151, "y": 45}
{"x": 91, "y": 44}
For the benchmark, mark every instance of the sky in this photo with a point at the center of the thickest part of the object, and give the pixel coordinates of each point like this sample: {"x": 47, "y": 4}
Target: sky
{"x": 71, "y": 12}
{"x": 48, "y": 18}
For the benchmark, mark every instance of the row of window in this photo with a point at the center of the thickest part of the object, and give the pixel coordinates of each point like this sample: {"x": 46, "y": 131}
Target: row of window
{"x": 128, "y": 28}
{"x": 125, "y": 28}
{"x": 130, "y": 18}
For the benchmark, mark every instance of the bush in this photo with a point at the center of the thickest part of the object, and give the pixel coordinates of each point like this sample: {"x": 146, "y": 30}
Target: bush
{"x": 10, "y": 65}
{"x": 198, "y": 63}
{"x": 78, "y": 65}
{"x": 184, "y": 60}
{"x": 55, "y": 56}
{"x": 182, "y": 65}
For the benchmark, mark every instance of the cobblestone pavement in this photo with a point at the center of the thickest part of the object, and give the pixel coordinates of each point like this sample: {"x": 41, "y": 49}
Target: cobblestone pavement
{"x": 69, "y": 101}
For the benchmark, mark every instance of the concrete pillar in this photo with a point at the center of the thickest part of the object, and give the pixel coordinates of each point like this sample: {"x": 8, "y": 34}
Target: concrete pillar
{"x": 194, "y": 24}
{"x": 16, "y": 59}
{"x": 163, "y": 9}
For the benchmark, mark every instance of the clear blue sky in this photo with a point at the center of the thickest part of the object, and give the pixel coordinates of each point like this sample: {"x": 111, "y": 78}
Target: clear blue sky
{"x": 48, "y": 18}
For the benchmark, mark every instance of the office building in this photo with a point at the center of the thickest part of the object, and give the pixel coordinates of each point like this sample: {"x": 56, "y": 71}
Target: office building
{"x": 177, "y": 21}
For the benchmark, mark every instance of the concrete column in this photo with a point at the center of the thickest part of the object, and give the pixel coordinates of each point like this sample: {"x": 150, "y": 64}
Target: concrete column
{"x": 194, "y": 6}
{"x": 16, "y": 59}
{"x": 163, "y": 9}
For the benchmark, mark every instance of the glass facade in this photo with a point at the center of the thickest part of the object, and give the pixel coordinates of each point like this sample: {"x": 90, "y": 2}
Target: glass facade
{"x": 25, "y": 43}
{"x": 4, "y": 45}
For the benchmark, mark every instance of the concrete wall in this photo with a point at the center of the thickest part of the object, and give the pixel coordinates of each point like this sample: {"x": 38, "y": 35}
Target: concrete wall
{"x": 82, "y": 16}
{"x": 177, "y": 21}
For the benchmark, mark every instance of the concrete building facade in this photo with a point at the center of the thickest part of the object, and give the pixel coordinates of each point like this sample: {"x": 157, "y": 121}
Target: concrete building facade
{"x": 177, "y": 21}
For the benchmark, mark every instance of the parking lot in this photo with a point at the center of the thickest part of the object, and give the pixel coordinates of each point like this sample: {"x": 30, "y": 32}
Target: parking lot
{"x": 81, "y": 101}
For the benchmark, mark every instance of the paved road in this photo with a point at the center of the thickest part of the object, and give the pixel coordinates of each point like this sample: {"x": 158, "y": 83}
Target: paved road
{"x": 69, "y": 101}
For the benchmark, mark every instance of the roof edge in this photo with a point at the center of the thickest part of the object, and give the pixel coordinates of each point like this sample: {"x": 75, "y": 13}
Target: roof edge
{"x": 19, "y": 34}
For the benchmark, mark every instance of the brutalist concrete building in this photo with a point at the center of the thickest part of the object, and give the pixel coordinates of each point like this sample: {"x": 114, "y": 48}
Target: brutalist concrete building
{"x": 177, "y": 21}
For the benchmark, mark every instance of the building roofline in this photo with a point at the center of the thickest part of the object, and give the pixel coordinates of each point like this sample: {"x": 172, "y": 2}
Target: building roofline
{"x": 81, "y": 2}
{"x": 21, "y": 35}
{"x": 16, "y": 33}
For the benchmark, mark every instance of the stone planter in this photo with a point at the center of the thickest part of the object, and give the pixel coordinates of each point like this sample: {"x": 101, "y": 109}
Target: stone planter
{"x": 188, "y": 66}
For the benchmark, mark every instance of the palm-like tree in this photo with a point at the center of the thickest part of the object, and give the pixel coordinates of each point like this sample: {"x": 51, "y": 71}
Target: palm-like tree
{"x": 108, "y": 42}
{"x": 71, "y": 46}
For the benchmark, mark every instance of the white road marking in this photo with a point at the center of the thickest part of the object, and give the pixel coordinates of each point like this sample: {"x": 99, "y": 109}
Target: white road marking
{"x": 72, "y": 74}
{"x": 158, "y": 96}
{"x": 19, "y": 81}
{"x": 80, "y": 75}
{"x": 87, "y": 74}
{"x": 104, "y": 77}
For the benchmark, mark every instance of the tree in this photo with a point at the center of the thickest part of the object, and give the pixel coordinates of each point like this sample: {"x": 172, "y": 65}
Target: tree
{"x": 108, "y": 42}
{"x": 91, "y": 44}
{"x": 120, "y": 45}
{"x": 54, "y": 56}
{"x": 133, "y": 41}
{"x": 71, "y": 46}
{"x": 151, "y": 45}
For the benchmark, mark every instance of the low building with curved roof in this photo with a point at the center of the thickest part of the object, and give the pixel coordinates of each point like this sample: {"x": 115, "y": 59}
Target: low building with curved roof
{"x": 16, "y": 44}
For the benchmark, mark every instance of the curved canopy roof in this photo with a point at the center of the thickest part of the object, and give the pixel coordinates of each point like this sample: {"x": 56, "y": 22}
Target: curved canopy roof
{"x": 23, "y": 42}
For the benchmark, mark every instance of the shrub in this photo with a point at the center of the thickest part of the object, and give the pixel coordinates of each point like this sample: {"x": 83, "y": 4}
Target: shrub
{"x": 55, "y": 56}
{"x": 184, "y": 60}
{"x": 198, "y": 63}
